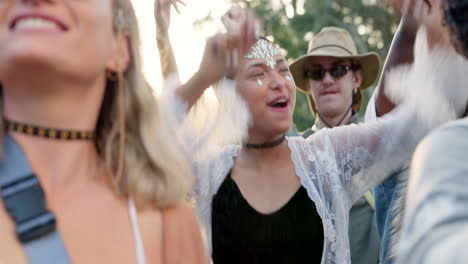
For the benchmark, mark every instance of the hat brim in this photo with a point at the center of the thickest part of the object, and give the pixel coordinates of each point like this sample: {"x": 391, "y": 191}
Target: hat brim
{"x": 369, "y": 62}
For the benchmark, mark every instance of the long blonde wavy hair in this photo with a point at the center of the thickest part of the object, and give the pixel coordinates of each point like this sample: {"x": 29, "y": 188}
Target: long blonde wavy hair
{"x": 137, "y": 148}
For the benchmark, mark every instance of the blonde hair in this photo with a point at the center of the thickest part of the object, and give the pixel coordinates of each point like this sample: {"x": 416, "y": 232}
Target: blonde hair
{"x": 130, "y": 136}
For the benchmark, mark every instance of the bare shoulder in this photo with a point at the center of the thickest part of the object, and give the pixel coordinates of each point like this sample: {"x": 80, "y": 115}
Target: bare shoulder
{"x": 182, "y": 213}
{"x": 180, "y": 219}
{"x": 182, "y": 239}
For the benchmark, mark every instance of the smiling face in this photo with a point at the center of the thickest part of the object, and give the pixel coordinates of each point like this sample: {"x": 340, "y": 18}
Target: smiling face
{"x": 73, "y": 38}
{"x": 267, "y": 86}
{"x": 332, "y": 95}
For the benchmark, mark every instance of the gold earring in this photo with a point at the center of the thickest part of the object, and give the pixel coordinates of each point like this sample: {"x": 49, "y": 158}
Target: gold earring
{"x": 122, "y": 121}
{"x": 112, "y": 76}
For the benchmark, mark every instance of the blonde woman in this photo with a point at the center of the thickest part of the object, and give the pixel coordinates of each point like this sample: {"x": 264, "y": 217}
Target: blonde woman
{"x": 76, "y": 106}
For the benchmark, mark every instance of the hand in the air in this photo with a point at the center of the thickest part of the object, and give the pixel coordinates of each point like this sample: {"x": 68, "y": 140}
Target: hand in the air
{"x": 223, "y": 52}
{"x": 162, "y": 12}
{"x": 412, "y": 8}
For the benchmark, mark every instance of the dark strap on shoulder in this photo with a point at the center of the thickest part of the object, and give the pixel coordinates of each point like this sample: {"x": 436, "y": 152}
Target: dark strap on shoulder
{"x": 25, "y": 202}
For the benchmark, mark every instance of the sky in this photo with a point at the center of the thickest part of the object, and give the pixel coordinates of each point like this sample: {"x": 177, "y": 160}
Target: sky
{"x": 187, "y": 40}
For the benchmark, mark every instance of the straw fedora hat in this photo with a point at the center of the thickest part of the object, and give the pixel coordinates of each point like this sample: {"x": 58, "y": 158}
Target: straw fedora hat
{"x": 336, "y": 42}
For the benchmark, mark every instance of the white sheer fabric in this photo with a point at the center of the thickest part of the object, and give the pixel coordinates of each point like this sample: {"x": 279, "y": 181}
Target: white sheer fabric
{"x": 371, "y": 113}
{"x": 337, "y": 166}
{"x": 435, "y": 229}
{"x": 435, "y": 226}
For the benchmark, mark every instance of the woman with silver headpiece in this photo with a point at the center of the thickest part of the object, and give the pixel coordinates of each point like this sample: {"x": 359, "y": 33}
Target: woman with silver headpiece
{"x": 272, "y": 199}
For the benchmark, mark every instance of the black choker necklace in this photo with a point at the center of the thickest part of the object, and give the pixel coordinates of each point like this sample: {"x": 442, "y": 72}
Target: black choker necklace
{"x": 48, "y": 132}
{"x": 265, "y": 145}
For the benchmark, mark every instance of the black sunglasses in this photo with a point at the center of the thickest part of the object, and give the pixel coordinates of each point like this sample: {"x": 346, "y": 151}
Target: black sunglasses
{"x": 336, "y": 71}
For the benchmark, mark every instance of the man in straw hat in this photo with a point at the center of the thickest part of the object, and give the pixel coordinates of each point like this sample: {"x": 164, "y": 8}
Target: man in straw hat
{"x": 332, "y": 75}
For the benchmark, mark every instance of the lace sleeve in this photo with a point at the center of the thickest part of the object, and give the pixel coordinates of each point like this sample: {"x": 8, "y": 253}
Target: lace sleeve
{"x": 430, "y": 93}
{"x": 206, "y": 134}
{"x": 362, "y": 155}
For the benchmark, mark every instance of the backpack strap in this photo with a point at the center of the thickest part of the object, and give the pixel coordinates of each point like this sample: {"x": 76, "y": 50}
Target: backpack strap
{"x": 24, "y": 200}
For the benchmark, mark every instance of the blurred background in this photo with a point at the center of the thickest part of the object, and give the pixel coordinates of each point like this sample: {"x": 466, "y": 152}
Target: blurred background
{"x": 290, "y": 23}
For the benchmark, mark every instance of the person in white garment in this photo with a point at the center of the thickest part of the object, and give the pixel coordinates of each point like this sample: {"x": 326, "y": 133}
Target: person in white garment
{"x": 435, "y": 227}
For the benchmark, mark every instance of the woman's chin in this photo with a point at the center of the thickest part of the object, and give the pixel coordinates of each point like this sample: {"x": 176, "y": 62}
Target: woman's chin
{"x": 22, "y": 57}
{"x": 281, "y": 128}
{"x": 32, "y": 62}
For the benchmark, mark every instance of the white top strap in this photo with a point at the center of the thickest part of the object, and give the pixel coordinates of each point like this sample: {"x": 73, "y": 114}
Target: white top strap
{"x": 140, "y": 250}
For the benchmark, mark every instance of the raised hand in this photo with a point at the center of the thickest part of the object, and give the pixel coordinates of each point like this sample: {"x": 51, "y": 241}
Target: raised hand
{"x": 407, "y": 7}
{"x": 162, "y": 15}
{"x": 162, "y": 12}
{"x": 223, "y": 53}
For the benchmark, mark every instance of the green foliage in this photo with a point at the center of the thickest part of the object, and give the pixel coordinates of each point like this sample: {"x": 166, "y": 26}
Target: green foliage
{"x": 292, "y": 23}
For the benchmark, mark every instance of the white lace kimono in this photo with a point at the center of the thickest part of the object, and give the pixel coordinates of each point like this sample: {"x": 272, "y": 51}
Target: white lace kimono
{"x": 337, "y": 166}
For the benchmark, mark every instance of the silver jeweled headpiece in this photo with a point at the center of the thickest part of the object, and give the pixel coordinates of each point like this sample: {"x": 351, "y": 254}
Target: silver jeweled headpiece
{"x": 264, "y": 49}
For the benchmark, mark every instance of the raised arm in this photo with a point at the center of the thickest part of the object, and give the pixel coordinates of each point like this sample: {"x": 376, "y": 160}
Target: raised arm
{"x": 218, "y": 58}
{"x": 401, "y": 52}
{"x": 176, "y": 100}
{"x": 162, "y": 16}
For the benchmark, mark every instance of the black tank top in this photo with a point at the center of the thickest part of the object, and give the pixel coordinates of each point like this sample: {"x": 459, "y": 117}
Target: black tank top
{"x": 240, "y": 234}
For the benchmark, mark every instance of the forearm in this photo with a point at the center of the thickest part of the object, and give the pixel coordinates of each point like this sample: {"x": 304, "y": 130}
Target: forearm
{"x": 190, "y": 92}
{"x": 401, "y": 52}
{"x": 166, "y": 54}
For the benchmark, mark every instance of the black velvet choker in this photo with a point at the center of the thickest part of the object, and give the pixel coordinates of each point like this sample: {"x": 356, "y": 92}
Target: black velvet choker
{"x": 265, "y": 145}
